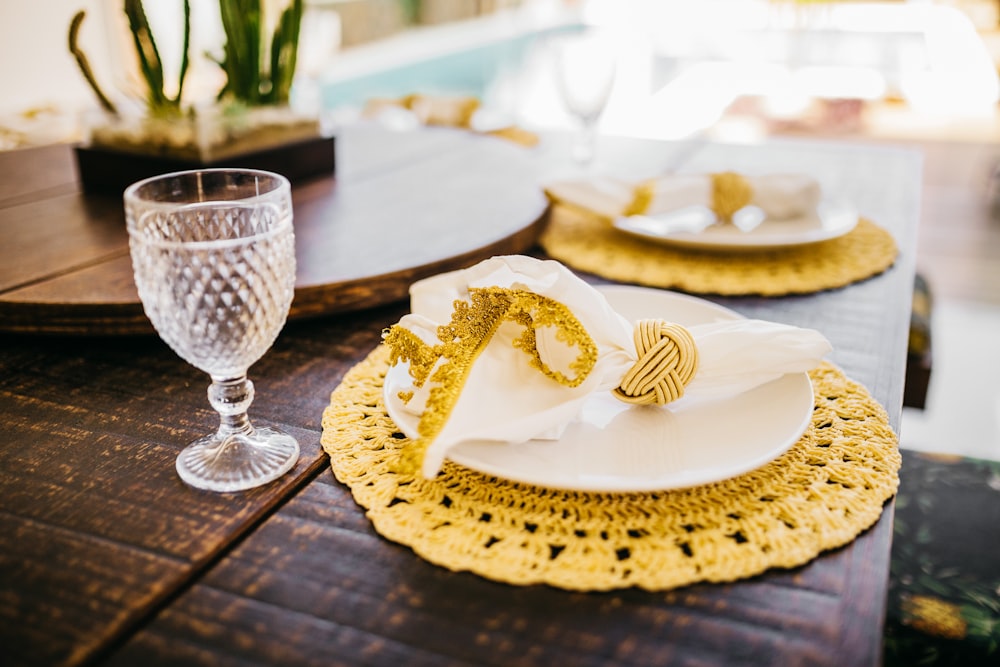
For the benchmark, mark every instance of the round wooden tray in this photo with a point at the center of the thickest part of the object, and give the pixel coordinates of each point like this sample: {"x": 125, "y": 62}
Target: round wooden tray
{"x": 403, "y": 206}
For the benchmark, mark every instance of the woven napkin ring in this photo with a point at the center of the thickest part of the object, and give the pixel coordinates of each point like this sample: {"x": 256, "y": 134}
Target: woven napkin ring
{"x": 668, "y": 360}
{"x": 730, "y": 193}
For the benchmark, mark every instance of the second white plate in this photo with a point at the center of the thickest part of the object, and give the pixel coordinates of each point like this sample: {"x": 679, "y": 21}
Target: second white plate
{"x": 614, "y": 447}
{"x": 693, "y": 227}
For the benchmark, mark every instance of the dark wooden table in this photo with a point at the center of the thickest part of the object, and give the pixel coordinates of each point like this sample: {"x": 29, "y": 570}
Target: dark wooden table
{"x": 107, "y": 558}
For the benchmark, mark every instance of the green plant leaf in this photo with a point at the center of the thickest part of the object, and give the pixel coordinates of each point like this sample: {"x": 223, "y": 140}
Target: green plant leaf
{"x": 241, "y": 64}
{"x": 84, "y": 63}
{"x": 185, "y": 55}
{"x": 148, "y": 55}
{"x": 245, "y": 50}
{"x": 284, "y": 53}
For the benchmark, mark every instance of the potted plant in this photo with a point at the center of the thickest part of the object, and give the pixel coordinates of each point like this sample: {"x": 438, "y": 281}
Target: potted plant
{"x": 250, "y": 123}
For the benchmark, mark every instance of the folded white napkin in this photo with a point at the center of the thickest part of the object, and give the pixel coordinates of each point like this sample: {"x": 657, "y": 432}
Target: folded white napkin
{"x": 779, "y": 196}
{"x": 473, "y": 375}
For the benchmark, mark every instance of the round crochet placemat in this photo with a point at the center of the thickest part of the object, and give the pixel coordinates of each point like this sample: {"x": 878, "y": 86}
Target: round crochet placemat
{"x": 821, "y": 494}
{"x": 588, "y": 242}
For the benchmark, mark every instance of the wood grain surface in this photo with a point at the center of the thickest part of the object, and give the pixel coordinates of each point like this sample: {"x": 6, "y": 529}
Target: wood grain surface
{"x": 98, "y": 529}
{"x": 107, "y": 558}
{"x": 404, "y": 206}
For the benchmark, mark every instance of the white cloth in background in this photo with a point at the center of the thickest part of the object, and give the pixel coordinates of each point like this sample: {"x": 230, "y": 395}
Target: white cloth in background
{"x": 779, "y": 196}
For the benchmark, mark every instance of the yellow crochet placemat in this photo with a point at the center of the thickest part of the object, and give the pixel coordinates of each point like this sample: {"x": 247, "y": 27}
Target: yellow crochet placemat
{"x": 588, "y": 242}
{"x": 820, "y": 494}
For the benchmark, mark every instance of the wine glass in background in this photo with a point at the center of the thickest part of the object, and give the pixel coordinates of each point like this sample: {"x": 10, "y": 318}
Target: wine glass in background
{"x": 585, "y": 65}
{"x": 213, "y": 253}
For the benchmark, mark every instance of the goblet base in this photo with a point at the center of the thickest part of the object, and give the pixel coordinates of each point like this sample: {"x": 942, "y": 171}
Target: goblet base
{"x": 237, "y": 461}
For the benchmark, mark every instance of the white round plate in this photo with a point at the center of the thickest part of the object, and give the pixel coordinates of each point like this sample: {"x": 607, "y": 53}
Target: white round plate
{"x": 694, "y": 227}
{"x": 614, "y": 447}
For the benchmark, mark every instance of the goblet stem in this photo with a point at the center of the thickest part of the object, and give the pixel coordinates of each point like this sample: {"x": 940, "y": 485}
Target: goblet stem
{"x": 237, "y": 456}
{"x": 231, "y": 398}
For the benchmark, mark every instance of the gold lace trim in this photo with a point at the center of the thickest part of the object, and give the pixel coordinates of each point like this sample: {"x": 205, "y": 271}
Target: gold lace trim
{"x": 473, "y": 324}
{"x": 586, "y": 242}
{"x": 819, "y": 495}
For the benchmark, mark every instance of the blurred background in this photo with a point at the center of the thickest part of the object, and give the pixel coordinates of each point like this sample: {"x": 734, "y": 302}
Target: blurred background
{"x": 916, "y": 73}
{"x": 904, "y": 69}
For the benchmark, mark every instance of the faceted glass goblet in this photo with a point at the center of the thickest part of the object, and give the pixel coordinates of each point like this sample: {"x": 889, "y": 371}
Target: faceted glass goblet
{"x": 213, "y": 253}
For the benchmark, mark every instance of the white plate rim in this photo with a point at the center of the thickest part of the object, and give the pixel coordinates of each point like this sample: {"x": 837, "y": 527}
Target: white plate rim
{"x": 471, "y": 455}
{"x": 845, "y": 216}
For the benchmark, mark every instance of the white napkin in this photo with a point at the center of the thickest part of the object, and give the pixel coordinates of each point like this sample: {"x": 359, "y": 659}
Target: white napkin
{"x": 779, "y": 196}
{"x": 505, "y": 399}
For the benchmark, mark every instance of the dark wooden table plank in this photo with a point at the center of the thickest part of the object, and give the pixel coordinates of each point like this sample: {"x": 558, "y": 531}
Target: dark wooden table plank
{"x": 404, "y": 206}
{"x": 316, "y": 585}
{"x": 54, "y": 236}
{"x": 98, "y": 529}
{"x": 44, "y": 174}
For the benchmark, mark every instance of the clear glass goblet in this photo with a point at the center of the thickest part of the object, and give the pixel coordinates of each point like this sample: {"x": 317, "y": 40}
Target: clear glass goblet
{"x": 213, "y": 253}
{"x": 585, "y": 67}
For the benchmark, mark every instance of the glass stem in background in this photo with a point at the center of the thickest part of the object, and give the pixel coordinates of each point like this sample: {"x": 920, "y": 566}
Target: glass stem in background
{"x": 586, "y": 144}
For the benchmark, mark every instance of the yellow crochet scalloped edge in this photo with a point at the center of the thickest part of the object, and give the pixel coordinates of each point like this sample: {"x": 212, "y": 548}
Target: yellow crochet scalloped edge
{"x": 821, "y": 494}
{"x": 588, "y": 242}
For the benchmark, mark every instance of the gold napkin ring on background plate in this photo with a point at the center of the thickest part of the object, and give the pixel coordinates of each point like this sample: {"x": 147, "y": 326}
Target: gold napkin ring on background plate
{"x": 668, "y": 360}
{"x": 642, "y": 197}
{"x": 730, "y": 193}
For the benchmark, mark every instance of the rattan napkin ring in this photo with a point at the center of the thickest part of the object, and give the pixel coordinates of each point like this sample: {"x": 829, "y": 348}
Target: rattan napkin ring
{"x": 668, "y": 361}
